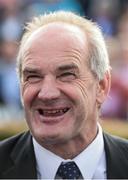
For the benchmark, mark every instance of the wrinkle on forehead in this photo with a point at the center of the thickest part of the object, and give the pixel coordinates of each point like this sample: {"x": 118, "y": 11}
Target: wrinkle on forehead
{"x": 76, "y": 55}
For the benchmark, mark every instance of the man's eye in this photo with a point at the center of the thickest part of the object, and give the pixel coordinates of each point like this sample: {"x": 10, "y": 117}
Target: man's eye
{"x": 67, "y": 76}
{"x": 33, "y": 78}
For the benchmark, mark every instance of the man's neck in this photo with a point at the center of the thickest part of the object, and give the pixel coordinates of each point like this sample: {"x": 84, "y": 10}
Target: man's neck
{"x": 69, "y": 150}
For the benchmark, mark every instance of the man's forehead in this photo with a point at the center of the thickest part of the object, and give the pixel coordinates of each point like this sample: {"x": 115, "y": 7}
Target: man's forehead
{"x": 55, "y": 29}
{"x": 55, "y": 41}
{"x": 55, "y": 36}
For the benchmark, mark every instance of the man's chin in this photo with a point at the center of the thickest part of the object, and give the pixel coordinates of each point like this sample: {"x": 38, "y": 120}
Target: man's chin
{"x": 50, "y": 139}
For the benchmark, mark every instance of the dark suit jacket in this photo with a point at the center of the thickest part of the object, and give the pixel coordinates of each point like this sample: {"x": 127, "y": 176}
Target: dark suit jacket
{"x": 17, "y": 159}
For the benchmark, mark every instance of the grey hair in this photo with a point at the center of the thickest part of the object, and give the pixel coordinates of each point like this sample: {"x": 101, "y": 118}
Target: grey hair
{"x": 98, "y": 56}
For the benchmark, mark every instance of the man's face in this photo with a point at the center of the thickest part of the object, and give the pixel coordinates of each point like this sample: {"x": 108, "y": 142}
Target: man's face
{"x": 58, "y": 89}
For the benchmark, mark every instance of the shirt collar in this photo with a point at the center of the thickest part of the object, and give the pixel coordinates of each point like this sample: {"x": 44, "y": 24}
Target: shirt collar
{"x": 87, "y": 160}
{"x": 47, "y": 162}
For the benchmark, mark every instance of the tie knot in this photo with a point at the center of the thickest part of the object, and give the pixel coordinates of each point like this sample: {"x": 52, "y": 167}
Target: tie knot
{"x": 68, "y": 170}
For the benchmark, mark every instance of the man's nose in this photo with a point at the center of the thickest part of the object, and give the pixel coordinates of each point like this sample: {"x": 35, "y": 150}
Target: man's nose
{"x": 49, "y": 89}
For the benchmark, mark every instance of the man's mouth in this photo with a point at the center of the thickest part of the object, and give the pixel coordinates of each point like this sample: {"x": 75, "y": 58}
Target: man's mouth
{"x": 52, "y": 112}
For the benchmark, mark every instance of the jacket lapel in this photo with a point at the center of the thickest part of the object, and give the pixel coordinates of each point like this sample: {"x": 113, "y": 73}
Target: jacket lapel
{"x": 22, "y": 160}
{"x": 117, "y": 162}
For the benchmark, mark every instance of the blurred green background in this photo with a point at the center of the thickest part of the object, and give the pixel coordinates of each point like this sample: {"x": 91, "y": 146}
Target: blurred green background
{"x": 115, "y": 127}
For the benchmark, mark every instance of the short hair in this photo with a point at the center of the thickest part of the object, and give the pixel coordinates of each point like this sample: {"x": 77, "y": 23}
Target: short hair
{"x": 98, "y": 56}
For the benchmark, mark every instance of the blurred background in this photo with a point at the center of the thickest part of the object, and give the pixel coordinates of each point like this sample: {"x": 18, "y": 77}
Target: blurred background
{"x": 112, "y": 17}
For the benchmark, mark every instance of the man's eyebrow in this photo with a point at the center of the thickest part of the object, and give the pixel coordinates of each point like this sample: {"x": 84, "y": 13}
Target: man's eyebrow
{"x": 67, "y": 67}
{"x": 30, "y": 70}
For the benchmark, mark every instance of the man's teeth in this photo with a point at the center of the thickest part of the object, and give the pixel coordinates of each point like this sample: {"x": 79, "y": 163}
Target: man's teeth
{"x": 56, "y": 112}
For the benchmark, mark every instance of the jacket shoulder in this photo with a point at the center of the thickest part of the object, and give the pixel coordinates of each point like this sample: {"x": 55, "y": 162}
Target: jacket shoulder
{"x": 7, "y": 146}
{"x": 17, "y": 159}
{"x": 116, "y": 141}
{"x": 116, "y": 150}
{"x": 9, "y": 143}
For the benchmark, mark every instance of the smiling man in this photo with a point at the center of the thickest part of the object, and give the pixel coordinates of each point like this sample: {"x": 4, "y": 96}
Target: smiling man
{"x": 64, "y": 79}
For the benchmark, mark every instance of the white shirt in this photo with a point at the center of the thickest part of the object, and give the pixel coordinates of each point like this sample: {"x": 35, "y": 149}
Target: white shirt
{"x": 91, "y": 161}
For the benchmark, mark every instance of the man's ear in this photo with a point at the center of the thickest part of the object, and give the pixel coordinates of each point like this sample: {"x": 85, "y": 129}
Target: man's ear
{"x": 103, "y": 88}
